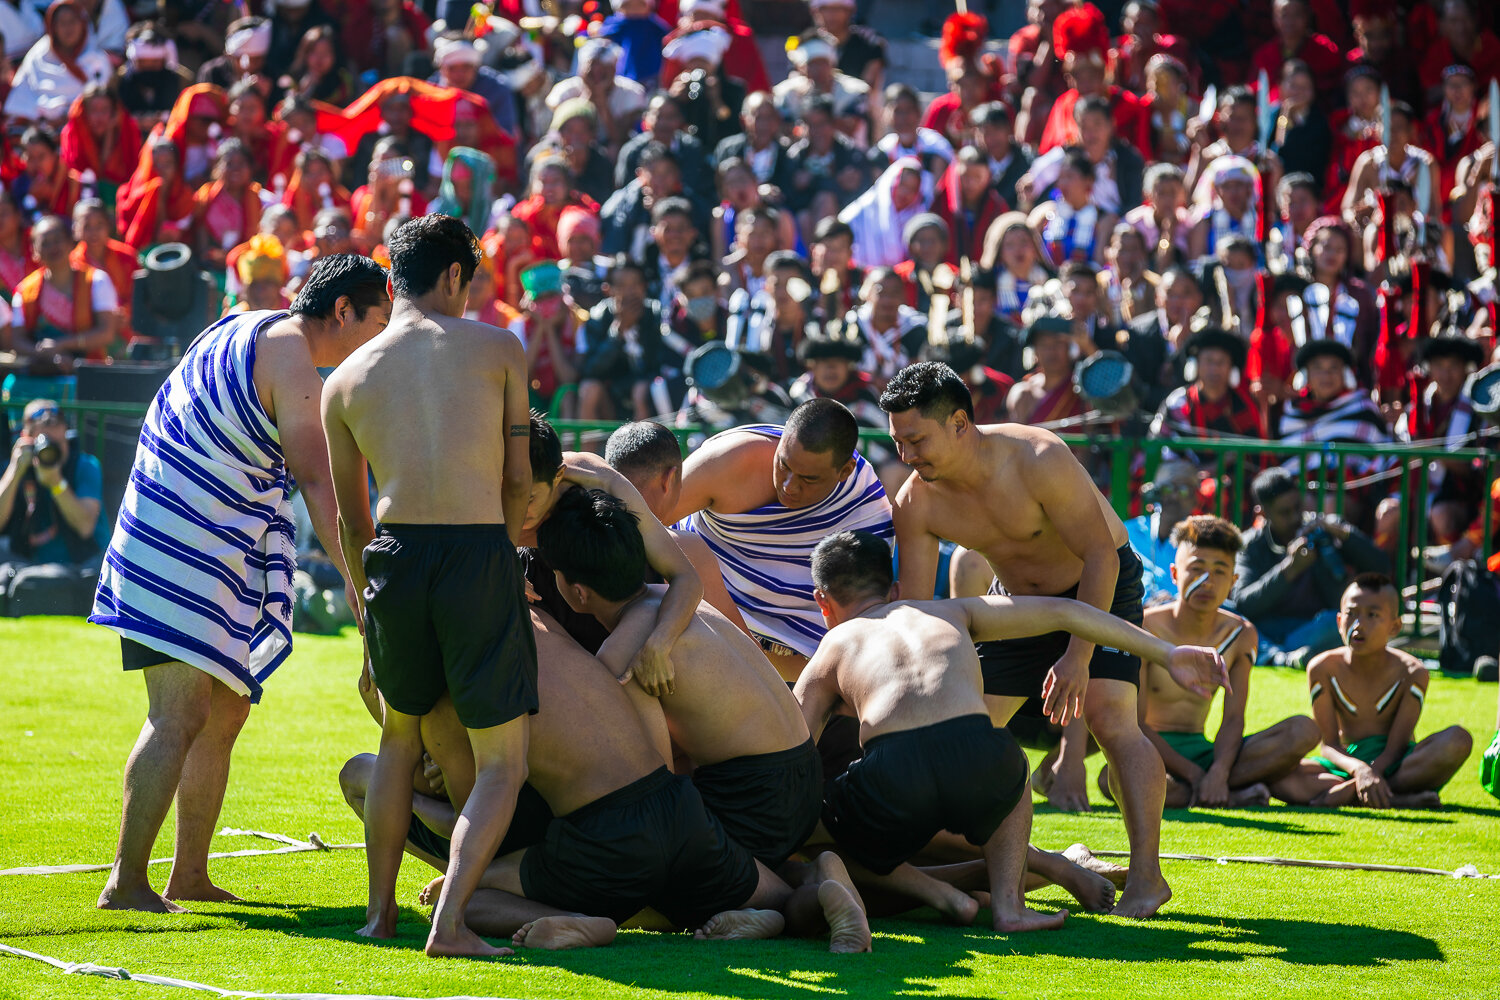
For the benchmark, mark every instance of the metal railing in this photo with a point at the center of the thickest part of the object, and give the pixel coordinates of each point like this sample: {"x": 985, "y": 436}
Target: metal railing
{"x": 1320, "y": 468}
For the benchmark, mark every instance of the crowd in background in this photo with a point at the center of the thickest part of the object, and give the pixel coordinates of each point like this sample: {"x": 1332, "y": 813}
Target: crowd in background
{"x": 1306, "y": 257}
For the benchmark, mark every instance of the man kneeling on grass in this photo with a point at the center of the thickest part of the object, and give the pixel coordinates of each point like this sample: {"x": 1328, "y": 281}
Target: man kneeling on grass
{"x": 1366, "y": 699}
{"x": 1233, "y": 769}
{"x": 907, "y": 670}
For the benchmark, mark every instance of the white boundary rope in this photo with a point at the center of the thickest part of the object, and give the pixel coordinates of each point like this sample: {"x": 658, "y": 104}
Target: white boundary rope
{"x": 1467, "y": 871}
{"x": 107, "y": 972}
{"x": 312, "y": 843}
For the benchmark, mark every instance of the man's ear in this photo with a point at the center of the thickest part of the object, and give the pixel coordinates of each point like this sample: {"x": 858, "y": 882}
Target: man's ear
{"x": 824, "y": 605}
{"x": 894, "y": 594}
{"x": 456, "y": 275}
{"x": 1173, "y": 570}
{"x": 847, "y": 470}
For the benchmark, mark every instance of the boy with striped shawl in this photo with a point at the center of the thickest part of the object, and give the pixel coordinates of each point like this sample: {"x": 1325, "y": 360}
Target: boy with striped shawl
{"x": 197, "y": 580}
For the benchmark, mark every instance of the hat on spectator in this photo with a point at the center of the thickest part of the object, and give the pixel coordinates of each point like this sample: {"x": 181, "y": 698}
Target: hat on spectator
{"x": 573, "y": 107}
{"x": 1047, "y": 324}
{"x": 263, "y": 258}
{"x": 810, "y": 45}
{"x": 828, "y": 347}
{"x": 1465, "y": 349}
{"x": 704, "y": 42}
{"x": 596, "y": 49}
{"x": 1080, "y": 32}
{"x": 1460, "y": 69}
{"x": 252, "y": 39}
{"x": 573, "y": 220}
{"x": 926, "y": 220}
{"x": 1323, "y": 347}
{"x": 454, "y": 50}
{"x": 1216, "y": 339}
{"x": 963, "y": 37}
{"x": 702, "y": 8}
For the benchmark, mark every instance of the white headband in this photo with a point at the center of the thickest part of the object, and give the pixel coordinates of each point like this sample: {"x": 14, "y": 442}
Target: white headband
{"x": 596, "y": 49}
{"x": 690, "y": 7}
{"x": 813, "y": 48}
{"x": 138, "y": 50}
{"x": 455, "y": 50}
{"x": 254, "y": 41}
{"x": 710, "y": 44}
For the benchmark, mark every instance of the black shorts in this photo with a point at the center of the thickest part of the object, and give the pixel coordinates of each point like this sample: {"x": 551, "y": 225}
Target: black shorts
{"x": 769, "y": 803}
{"x": 445, "y": 611}
{"x": 652, "y": 843}
{"x": 528, "y": 825}
{"x": 962, "y": 775}
{"x": 135, "y": 656}
{"x": 1018, "y": 667}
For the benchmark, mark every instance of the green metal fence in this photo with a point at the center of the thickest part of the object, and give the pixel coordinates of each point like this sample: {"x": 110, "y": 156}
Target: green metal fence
{"x": 1321, "y": 469}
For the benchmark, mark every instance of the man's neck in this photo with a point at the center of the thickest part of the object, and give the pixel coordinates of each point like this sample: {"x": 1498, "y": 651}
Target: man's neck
{"x": 609, "y": 613}
{"x": 1211, "y": 394}
{"x": 860, "y": 608}
{"x": 319, "y": 336}
{"x": 1194, "y": 625}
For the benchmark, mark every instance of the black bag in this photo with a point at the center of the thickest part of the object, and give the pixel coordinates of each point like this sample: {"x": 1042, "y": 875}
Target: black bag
{"x": 46, "y": 589}
{"x": 1468, "y": 615}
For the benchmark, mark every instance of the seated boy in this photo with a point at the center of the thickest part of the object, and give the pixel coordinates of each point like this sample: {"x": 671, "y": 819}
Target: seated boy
{"x": 1366, "y": 700}
{"x": 1233, "y": 769}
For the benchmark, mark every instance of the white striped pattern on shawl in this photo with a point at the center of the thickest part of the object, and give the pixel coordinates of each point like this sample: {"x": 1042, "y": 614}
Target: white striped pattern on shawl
{"x": 200, "y": 565}
{"x": 1352, "y": 417}
{"x": 766, "y": 553}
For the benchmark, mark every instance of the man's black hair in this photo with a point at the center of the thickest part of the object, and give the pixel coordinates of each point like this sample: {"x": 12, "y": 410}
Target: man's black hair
{"x": 1375, "y": 583}
{"x": 851, "y": 565}
{"x": 1081, "y": 164}
{"x": 675, "y": 205}
{"x": 423, "y": 249}
{"x": 545, "y": 448}
{"x": 593, "y": 539}
{"x": 992, "y": 113}
{"x": 644, "y": 447}
{"x": 657, "y": 152}
{"x": 42, "y": 133}
{"x": 1272, "y": 484}
{"x": 622, "y": 263}
{"x": 1238, "y": 94}
{"x": 1298, "y": 179}
{"x": 902, "y": 92}
{"x": 818, "y": 102}
{"x": 930, "y": 387}
{"x": 232, "y": 147}
{"x": 825, "y": 426}
{"x": 341, "y": 275}
{"x": 1094, "y": 103}
{"x": 831, "y": 227}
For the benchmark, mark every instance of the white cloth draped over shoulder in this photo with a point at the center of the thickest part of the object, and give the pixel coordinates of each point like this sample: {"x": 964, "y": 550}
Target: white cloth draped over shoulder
{"x": 200, "y": 565}
{"x": 879, "y": 226}
{"x": 766, "y": 553}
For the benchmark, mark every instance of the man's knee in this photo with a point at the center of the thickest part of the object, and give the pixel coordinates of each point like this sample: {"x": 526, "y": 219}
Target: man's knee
{"x": 1110, "y": 711}
{"x": 1300, "y": 733}
{"x": 1456, "y": 743}
{"x": 354, "y": 777}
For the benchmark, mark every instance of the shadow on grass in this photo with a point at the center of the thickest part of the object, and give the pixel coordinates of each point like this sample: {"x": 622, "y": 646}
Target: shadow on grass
{"x": 1248, "y": 819}
{"x": 912, "y": 956}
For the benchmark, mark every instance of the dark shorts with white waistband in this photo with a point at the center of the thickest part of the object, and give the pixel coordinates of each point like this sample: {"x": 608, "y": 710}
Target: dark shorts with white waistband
{"x": 1018, "y": 667}
{"x": 769, "y": 803}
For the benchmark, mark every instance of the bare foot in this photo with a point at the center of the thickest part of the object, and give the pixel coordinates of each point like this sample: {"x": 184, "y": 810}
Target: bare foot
{"x": 1028, "y": 920}
{"x": 203, "y": 892}
{"x": 742, "y": 925}
{"x": 981, "y": 897}
{"x": 958, "y": 907}
{"x": 830, "y": 867}
{"x": 1081, "y": 856}
{"x": 431, "y": 891}
{"x": 379, "y": 927}
{"x": 1140, "y": 902}
{"x": 1041, "y": 778}
{"x": 848, "y": 929}
{"x": 143, "y": 899}
{"x": 461, "y": 943}
{"x": 1068, "y": 793}
{"x": 1251, "y": 795}
{"x": 1094, "y": 891}
{"x": 562, "y": 933}
{"x": 1417, "y": 800}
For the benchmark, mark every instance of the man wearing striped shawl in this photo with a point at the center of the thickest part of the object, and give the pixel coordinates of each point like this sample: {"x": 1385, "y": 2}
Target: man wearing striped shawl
{"x": 197, "y": 580}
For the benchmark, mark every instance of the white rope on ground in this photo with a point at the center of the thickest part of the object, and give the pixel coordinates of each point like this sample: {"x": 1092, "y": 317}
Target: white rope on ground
{"x": 107, "y": 972}
{"x": 1467, "y": 871}
{"x": 312, "y": 843}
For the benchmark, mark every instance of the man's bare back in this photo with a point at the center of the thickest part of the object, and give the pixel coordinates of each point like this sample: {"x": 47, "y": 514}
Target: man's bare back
{"x": 1022, "y": 515}
{"x": 729, "y": 701}
{"x": 419, "y": 448}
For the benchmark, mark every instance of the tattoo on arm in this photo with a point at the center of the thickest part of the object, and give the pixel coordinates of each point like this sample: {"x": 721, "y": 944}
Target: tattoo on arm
{"x": 520, "y": 430}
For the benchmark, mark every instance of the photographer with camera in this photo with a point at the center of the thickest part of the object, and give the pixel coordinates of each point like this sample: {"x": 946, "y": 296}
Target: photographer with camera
{"x": 50, "y": 503}
{"x": 1293, "y": 569}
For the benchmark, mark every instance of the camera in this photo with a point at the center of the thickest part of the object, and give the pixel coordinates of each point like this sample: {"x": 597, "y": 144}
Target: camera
{"x": 45, "y": 451}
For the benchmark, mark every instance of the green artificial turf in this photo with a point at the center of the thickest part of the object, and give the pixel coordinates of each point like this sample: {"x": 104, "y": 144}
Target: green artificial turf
{"x": 68, "y": 716}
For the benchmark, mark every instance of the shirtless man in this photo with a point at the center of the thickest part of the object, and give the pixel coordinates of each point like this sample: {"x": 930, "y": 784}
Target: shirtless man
{"x": 650, "y": 457}
{"x": 934, "y": 759}
{"x": 1366, "y": 698}
{"x": 730, "y": 713}
{"x": 437, "y": 406}
{"x": 1234, "y": 769}
{"x": 762, "y": 497}
{"x": 1018, "y": 496}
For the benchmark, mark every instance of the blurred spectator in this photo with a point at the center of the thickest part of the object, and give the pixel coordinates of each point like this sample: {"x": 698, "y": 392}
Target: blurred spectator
{"x": 1292, "y": 572}
{"x": 861, "y": 52}
{"x": 319, "y": 72}
{"x": 575, "y": 137}
{"x": 639, "y": 33}
{"x": 458, "y": 66}
{"x": 227, "y": 209}
{"x": 58, "y": 310}
{"x": 50, "y": 512}
{"x": 16, "y": 260}
{"x": 245, "y": 49}
{"x": 57, "y": 68}
{"x": 468, "y": 189}
{"x": 101, "y": 139}
{"x": 261, "y": 272}
{"x": 1214, "y": 403}
{"x": 46, "y": 186}
{"x": 968, "y": 202}
{"x": 1173, "y": 497}
{"x": 617, "y": 101}
{"x": 663, "y": 122}
{"x": 95, "y": 248}
{"x": 290, "y": 23}
{"x": 1046, "y": 394}
{"x": 387, "y": 192}
{"x": 814, "y": 56}
{"x": 1296, "y": 39}
{"x": 904, "y": 136}
{"x": 829, "y": 172}
{"x": 151, "y": 79}
{"x": 879, "y": 216}
{"x": 925, "y": 273}
{"x": 891, "y": 331}
{"x": 1012, "y": 251}
{"x": 1119, "y": 168}
{"x": 1072, "y": 226}
{"x": 551, "y": 194}
{"x": 622, "y": 350}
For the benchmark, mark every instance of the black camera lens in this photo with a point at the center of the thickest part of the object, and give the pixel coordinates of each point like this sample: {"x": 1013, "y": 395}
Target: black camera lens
{"x": 45, "y": 451}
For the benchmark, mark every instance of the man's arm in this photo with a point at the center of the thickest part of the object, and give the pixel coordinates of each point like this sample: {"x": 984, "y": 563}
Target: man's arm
{"x": 78, "y": 502}
{"x": 1369, "y": 783}
{"x": 916, "y": 547}
{"x": 711, "y": 577}
{"x": 1214, "y": 787}
{"x": 705, "y": 475}
{"x": 1263, "y": 579}
{"x": 615, "y": 654}
{"x": 349, "y": 481}
{"x": 1197, "y": 668}
{"x": 515, "y": 480}
{"x": 1404, "y": 724}
{"x": 651, "y": 664}
{"x": 1071, "y": 503}
{"x": 817, "y": 689}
